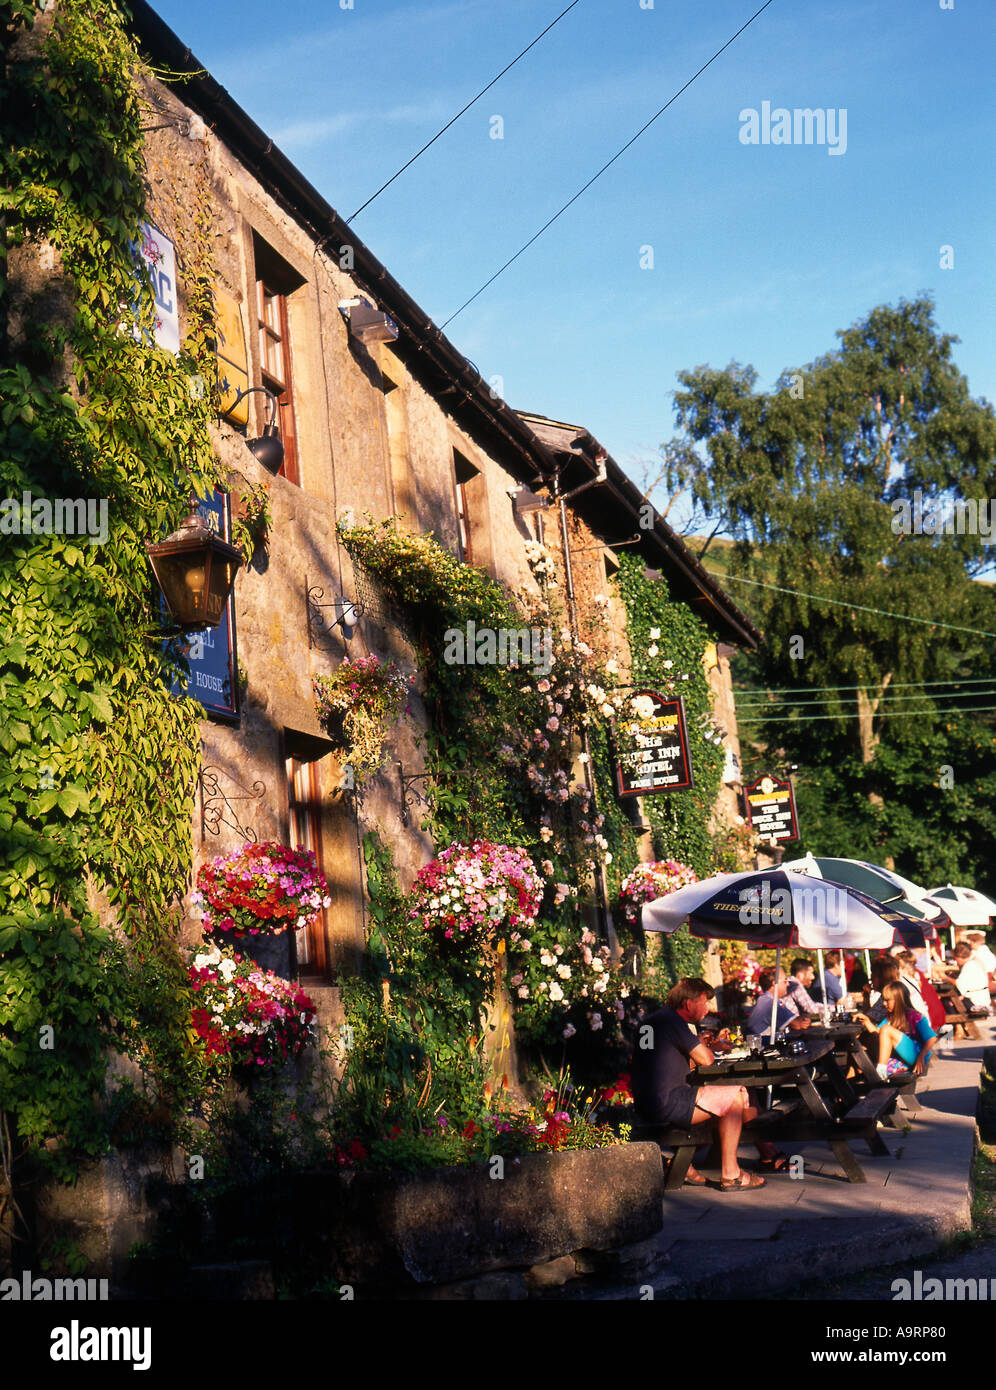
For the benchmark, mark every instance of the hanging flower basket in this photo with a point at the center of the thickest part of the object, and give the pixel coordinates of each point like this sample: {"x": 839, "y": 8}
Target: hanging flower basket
{"x": 255, "y": 1017}
{"x": 357, "y": 704}
{"x": 649, "y": 881}
{"x": 472, "y": 891}
{"x": 261, "y": 889}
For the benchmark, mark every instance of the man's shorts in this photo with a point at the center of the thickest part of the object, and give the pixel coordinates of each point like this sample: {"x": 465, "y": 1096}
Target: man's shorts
{"x": 720, "y": 1100}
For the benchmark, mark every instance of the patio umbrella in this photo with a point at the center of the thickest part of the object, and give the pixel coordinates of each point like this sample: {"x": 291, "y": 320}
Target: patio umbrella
{"x": 882, "y": 885}
{"x": 777, "y": 908}
{"x": 965, "y": 906}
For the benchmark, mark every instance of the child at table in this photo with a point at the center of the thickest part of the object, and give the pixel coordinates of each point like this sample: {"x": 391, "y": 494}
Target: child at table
{"x": 905, "y": 1037}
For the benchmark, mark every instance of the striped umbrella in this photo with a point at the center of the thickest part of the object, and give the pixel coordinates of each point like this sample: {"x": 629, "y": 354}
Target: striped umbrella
{"x": 777, "y": 908}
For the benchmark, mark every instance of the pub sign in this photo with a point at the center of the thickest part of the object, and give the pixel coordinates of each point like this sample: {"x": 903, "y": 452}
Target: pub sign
{"x": 652, "y": 747}
{"x": 211, "y": 653}
{"x": 771, "y": 808}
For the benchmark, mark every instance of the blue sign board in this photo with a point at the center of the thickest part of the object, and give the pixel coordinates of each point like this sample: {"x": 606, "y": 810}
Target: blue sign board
{"x": 211, "y": 653}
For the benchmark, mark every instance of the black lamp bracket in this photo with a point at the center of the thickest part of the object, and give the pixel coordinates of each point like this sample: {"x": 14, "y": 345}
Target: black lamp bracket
{"x": 320, "y": 627}
{"x": 411, "y": 795}
{"x": 270, "y": 396}
{"x": 218, "y": 804}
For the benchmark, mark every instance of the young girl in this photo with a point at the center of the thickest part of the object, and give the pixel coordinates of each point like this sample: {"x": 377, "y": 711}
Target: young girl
{"x": 905, "y": 1037}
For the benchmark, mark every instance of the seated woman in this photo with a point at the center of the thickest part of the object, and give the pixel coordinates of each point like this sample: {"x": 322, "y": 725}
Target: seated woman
{"x": 905, "y": 1037}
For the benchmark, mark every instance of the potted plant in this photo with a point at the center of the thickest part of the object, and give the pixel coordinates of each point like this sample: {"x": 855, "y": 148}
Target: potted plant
{"x": 470, "y": 892}
{"x": 255, "y": 1017}
{"x": 260, "y": 889}
{"x": 355, "y": 706}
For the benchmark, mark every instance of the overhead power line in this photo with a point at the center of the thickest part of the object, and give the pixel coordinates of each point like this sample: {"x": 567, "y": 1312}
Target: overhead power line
{"x": 454, "y": 119}
{"x": 843, "y": 603}
{"x": 776, "y": 706}
{"x": 889, "y": 714}
{"x": 816, "y": 689}
{"x": 584, "y": 188}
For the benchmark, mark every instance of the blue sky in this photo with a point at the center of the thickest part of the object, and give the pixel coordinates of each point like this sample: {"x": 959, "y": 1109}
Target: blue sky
{"x": 760, "y": 252}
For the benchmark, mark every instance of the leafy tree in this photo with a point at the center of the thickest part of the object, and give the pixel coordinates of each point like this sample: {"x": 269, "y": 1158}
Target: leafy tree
{"x": 810, "y": 480}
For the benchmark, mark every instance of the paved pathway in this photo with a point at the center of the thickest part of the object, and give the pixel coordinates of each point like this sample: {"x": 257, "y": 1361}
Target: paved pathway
{"x": 802, "y": 1233}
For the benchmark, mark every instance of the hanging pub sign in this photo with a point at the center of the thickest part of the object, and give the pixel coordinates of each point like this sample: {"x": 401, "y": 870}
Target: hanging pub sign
{"x": 652, "y": 747}
{"x": 154, "y": 256}
{"x": 771, "y": 808}
{"x": 211, "y": 653}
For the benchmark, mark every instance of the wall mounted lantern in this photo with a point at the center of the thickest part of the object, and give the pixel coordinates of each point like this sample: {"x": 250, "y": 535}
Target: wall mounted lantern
{"x": 367, "y": 323}
{"x": 195, "y": 570}
{"x": 268, "y": 449}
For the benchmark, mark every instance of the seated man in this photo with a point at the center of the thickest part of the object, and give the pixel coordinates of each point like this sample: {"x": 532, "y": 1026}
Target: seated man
{"x": 972, "y": 981}
{"x": 981, "y": 953}
{"x": 759, "y": 1022}
{"x": 662, "y": 1095}
{"x": 798, "y": 1000}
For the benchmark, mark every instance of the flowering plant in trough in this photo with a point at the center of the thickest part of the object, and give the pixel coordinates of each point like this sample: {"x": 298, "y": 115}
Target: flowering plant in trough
{"x": 255, "y": 1017}
{"x": 649, "y": 881}
{"x": 365, "y": 696}
{"x": 470, "y": 891}
{"x": 260, "y": 889}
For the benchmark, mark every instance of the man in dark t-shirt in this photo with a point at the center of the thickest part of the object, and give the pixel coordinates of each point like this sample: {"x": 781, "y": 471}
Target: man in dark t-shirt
{"x": 665, "y": 1048}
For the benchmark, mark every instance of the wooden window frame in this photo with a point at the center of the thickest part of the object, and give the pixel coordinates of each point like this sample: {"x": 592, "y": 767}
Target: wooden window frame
{"x": 309, "y": 811}
{"x": 283, "y": 389}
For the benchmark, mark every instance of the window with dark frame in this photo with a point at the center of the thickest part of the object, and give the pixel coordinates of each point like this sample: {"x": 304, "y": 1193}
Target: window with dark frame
{"x": 275, "y": 281}
{"x": 305, "y": 814}
{"x": 464, "y": 472}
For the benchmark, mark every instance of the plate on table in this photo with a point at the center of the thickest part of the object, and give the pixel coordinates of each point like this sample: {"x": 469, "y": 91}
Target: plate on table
{"x": 735, "y": 1054}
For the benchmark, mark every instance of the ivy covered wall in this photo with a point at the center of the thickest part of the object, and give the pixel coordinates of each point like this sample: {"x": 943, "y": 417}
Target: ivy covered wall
{"x": 98, "y": 758}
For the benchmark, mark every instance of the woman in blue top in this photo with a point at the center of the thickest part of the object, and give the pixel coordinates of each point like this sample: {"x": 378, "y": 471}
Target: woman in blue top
{"x": 905, "y": 1037}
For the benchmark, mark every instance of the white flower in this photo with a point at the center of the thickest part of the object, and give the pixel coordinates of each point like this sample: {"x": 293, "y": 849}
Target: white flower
{"x": 569, "y": 1031}
{"x": 608, "y": 859}
{"x": 612, "y": 667}
{"x": 545, "y": 833}
{"x": 523, "y": 991}
{"x": 655, "y": 633}
{"x": 653, "y": 649}
{"x": 607, "y": 710}
{"x": 556, "y": 993}
{"x": 564, "y": 971}
{"x": 668, "y": 665}
{"x": 547, "y": 958}
{"x": 582, "y": 757}
{"x": 597, "y": 965}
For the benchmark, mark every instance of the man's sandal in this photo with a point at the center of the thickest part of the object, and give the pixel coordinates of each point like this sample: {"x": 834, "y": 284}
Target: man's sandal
{"x": 742, "y": 1183}
{"x": 781, "y": 1163}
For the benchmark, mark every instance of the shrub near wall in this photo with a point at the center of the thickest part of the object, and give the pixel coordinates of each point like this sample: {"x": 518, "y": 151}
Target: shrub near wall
{"x": 98, "y": 757}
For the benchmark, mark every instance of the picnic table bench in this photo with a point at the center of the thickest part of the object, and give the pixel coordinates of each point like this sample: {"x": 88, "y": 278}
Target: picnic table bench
{"x": 955, "y": 1008}
{"x": 837, "y": 1119}
{"x": 850, "y": 1051}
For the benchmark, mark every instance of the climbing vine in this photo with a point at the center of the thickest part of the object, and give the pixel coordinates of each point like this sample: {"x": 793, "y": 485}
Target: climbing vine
{"x": 99, "y": 757}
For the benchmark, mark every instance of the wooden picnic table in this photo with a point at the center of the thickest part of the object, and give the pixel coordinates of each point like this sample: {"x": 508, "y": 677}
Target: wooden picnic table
{"x": 954, "y": 1006}
{"x": 836, "y": 1118}
{"x": 850, "y": 1050}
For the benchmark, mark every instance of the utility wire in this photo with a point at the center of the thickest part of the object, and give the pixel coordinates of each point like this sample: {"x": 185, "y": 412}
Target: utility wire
{"x": 890, "y": 714}
{"x": 843, "y": 603}
{"x": 777, "y": 706}
{"x": 454, "y": 120}
{"x": 560, "y": 212}
{"x": 815, "y": 689}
